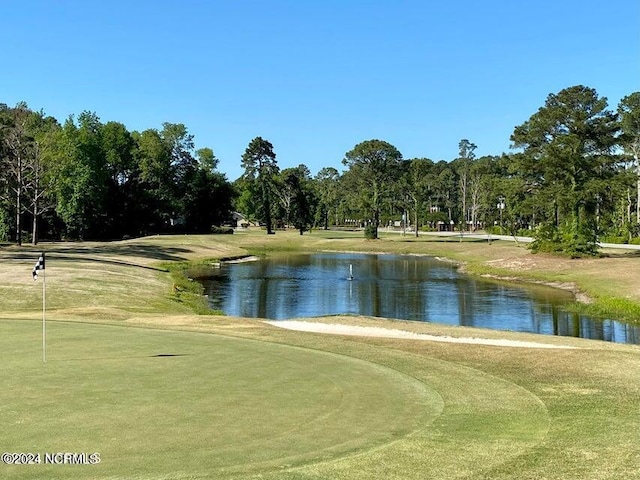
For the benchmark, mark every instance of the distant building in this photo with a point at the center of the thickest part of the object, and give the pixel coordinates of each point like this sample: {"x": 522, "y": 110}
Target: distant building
{"x": 240, "y": 221}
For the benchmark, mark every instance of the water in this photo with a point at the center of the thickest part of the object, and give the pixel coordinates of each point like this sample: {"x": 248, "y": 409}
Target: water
{"x": 397, "y": 286}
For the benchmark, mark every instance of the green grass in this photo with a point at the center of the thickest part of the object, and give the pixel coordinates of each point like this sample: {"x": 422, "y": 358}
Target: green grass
{"x": 245, "y": 400}
{"x": 242, "y": 399}
{"x": 221, "y": 406}
{"x": 185, "y": 289}
{"x": 226, "y": 407}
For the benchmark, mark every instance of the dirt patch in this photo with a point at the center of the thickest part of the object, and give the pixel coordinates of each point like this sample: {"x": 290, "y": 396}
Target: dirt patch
{"x": 517, "y": 264}
{"x": 538, "y": 263}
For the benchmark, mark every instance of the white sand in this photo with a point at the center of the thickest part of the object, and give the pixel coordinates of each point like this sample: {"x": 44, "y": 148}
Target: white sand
{"x": 341, "y": 329}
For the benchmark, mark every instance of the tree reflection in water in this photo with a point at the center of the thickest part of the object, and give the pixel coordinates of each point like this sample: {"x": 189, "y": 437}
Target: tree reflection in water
{"x": 397, "y": 286}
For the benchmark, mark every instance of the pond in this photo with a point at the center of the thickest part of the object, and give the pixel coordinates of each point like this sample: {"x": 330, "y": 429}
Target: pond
{"x": 397, "y": 286}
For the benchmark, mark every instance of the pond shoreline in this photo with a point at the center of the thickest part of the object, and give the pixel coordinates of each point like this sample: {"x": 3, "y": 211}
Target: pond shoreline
{"x": 535, "y": 270}
{"x": 579, "y": 295}
{"x": 565, "y": 320}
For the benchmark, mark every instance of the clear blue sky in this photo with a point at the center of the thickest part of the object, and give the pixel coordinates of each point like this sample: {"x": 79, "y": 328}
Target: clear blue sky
{"x": 316, "y": 77}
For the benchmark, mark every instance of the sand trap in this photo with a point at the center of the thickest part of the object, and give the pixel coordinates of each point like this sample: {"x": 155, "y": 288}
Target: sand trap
{"x": 341, "y": 329}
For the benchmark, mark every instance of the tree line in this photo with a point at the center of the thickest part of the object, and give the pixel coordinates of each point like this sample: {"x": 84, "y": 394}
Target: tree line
{"x": 573, "y": 178}
{"x": 84, "y": 179}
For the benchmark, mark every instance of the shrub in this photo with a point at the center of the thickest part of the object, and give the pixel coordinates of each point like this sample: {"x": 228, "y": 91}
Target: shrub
{"x": 4, "y": 226}
{"x": 568, "y": 241}
{"x": 370, "y": 232}
{"x": 613, "y": 239}
{"x": 221, "y": 230}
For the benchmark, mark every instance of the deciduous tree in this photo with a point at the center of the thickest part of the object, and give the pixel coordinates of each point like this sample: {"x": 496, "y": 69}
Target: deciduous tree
{"x": 17, "y": 158}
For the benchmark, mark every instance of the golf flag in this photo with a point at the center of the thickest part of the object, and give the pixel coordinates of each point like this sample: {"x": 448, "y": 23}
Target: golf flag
{"x": 39, "y": 266}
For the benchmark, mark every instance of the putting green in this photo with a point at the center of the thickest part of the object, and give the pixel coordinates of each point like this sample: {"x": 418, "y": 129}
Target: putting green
{"x": 170, "y": 404}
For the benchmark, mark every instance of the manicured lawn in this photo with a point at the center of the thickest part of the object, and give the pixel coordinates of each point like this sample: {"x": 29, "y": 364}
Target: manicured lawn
{"x": 183, "y": 404}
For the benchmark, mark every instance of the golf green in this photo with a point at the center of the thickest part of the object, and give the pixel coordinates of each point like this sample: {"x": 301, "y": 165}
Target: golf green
{"x": 156, "y": 403}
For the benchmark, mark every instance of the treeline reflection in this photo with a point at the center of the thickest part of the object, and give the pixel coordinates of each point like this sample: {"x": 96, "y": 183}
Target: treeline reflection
{"x": 398, "y": 286}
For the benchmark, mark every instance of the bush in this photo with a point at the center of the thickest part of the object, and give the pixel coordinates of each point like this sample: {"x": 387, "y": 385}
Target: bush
{"x": 546, "y": 239}
{"x": 4, "y": 226}
{"x": 524, "y": 232}
{"x": 370, "y": 232}
{"x": 221, "y": 230}
{"x": 567, "y": 241}
{"x": 613, "y": 239}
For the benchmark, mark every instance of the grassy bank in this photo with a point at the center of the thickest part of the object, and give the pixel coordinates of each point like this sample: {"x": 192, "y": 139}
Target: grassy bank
{"x": 162, "y": 393}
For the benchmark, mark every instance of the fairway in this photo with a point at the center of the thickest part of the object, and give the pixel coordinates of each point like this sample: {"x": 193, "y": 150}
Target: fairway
{"x": 156, "y": 402}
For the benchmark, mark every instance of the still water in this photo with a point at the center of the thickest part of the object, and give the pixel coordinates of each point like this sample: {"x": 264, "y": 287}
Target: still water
{"x": 397, "y": 286}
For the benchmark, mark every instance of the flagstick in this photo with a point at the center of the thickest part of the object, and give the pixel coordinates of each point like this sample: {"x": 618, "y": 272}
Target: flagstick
{"x": 44, "y": 331}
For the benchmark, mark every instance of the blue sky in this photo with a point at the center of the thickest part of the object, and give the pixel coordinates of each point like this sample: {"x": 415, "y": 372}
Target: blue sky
{"x": 317, "y": 77}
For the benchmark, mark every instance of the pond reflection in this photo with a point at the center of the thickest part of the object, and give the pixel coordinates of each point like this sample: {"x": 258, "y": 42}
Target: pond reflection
{"x": 397, "y": 286}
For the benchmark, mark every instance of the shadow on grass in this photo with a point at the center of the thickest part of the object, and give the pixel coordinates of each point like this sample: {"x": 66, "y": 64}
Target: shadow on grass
{"x": 120, "y": 357}
{"x": 344, "y": 237}
{"x": 446, "y": 240}
{"x": 629, "y": 254}
{"x": 145, "y": 251}
{"x": 93, "y": 253}
{"x": 103, "y": 261}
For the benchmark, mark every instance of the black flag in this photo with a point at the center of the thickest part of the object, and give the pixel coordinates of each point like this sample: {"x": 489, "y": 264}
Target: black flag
{"x": 39, "y": 266}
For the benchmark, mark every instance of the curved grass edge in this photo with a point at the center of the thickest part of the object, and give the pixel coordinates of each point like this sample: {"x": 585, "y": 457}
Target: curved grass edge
{"x": 424, "y": 394}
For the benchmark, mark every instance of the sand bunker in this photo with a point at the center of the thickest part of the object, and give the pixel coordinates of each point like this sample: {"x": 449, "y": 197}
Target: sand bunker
{"x": 341, "y": 329}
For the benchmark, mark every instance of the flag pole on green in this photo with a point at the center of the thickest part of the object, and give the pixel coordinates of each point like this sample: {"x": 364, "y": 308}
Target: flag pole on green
{"x": 40, "y": 266}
